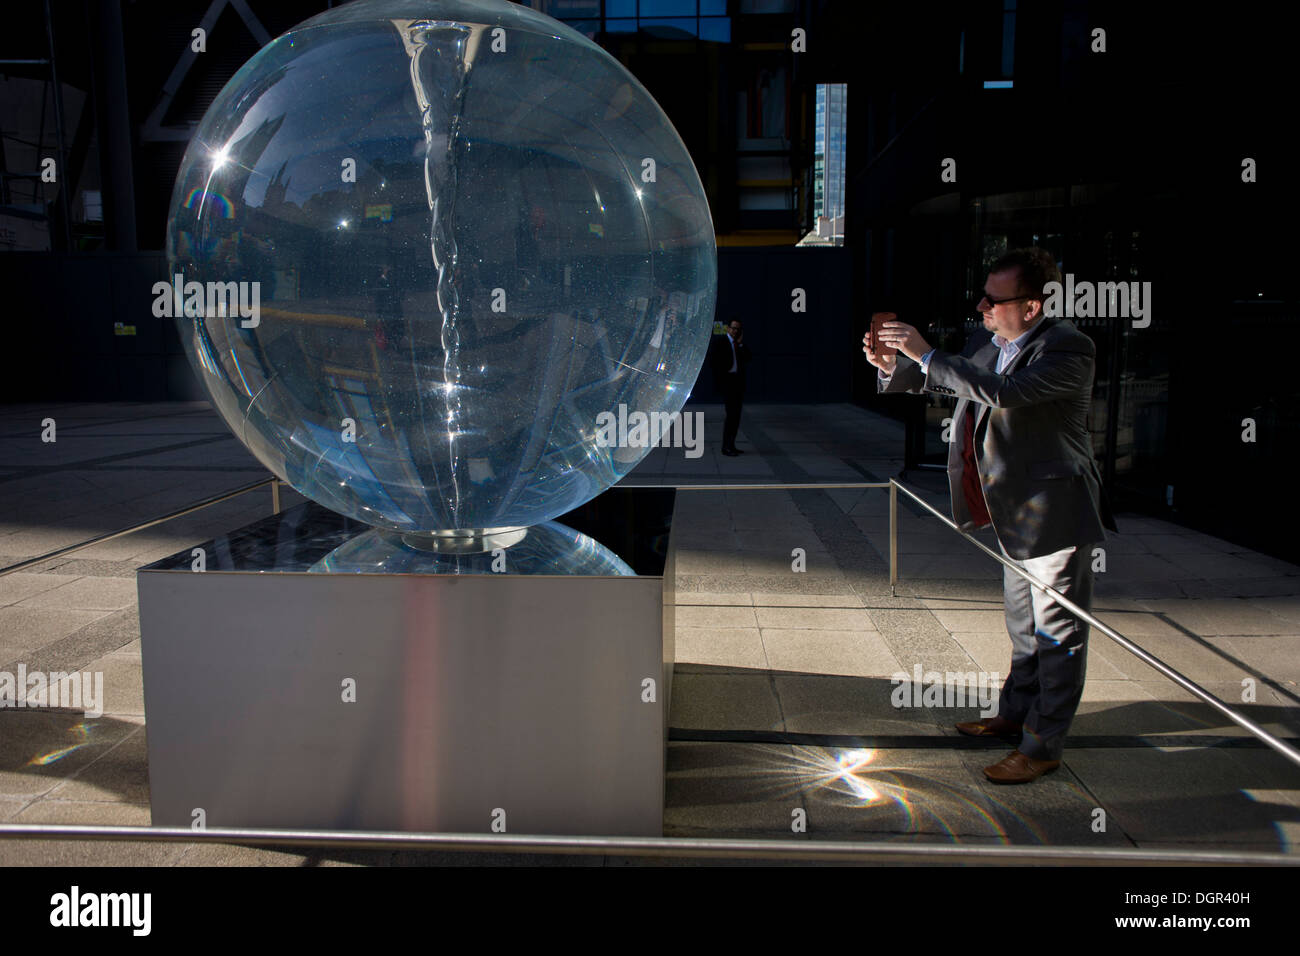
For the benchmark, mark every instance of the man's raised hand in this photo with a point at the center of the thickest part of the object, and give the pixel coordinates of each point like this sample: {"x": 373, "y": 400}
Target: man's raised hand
{"x": 885, "y": 363}
{"x": 905, "y": 338}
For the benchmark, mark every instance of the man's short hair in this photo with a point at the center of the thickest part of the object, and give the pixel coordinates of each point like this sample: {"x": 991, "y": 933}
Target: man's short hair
{"x": 1035, "y": 266}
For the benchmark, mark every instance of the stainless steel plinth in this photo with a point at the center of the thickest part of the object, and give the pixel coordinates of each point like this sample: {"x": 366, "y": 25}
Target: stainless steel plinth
{"x": 418, "y": 702}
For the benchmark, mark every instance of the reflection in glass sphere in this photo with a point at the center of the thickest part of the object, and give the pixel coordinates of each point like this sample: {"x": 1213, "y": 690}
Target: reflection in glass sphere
{"x": 549, "y": 548}
{"x": 421, "y": 245}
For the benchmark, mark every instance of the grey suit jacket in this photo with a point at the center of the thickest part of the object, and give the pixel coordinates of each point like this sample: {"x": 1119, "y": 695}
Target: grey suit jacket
{"x": 1034, "y": 453}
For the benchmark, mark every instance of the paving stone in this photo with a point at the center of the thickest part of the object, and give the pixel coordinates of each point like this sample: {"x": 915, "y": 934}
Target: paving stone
{"x": 26, "y": 630}
{"x": 987, "y": 621}
{"x": 1203, "y": 718}
{"x": 103, "y": 635}
{"x": 816, "y": 564}
{"x": 1193, "y": 658}
{"x": 781, "y": 584}
{"x": 854, "y": 706}
{"x": 1111, "y": 586}
{"x": 91, "y": 568}
{"x": 103, "y": 594}
{"x": 776, "y": 600}
{"x": 716, "y": 616}
{"x": 816, "y": 618}
{"x": 40, "y": 748}
{"x": 120, "y": 775}
{"x": 708, "y": 584}
{"x": 852, "y": 653}
{"x": 989, "y": 589}
{"x": 708, "y": 562}
{"x": 933, "y": 792}
{"x": 703, "y": 539}
{"x": 737, "y": 648}
{"x": 20, "y": 585}
{"x": 1054, "y": 810}
{"x": 990, "y": 651}
{"x": 1277, "y": 656}
{"x": 727, "y": 787}
{"x": 227, "y": 854}
{"x": 689, "y": 598}
{"x": 1219, "y": 616}
{"x": 10, "y": 806}
{"x": 1287, "y": 608}
{"x": 123, "y": 684}
{"x": 1198, "y": 800}
{"x": 719, "y": 700}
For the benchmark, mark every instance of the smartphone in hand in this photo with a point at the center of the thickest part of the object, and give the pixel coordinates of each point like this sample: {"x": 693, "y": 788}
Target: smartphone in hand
{"x": 878, "y": 319}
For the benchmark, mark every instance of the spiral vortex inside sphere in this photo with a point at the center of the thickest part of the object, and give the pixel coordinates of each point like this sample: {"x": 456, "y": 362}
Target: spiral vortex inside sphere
{"x": 418, "y": 247}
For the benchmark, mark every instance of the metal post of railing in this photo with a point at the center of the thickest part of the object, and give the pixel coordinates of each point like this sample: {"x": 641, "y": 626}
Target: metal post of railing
{"x": 893, "y": 540}
{"x": 275, "y": 496}
{"x": 1190, "y": 686}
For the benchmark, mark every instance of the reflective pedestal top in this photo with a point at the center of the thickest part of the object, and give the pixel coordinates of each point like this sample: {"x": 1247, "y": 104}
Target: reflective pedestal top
{"x": 619, "y": 533}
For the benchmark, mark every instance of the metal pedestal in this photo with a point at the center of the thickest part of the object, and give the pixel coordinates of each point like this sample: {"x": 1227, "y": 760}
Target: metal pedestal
{"x": 511, "y": 703}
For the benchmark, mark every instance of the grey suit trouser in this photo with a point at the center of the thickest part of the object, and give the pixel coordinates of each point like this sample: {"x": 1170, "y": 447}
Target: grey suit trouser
{"x": 1049, "y": 649}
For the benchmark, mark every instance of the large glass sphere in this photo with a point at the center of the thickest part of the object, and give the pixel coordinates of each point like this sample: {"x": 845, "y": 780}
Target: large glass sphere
{"x": 419, "y": 247}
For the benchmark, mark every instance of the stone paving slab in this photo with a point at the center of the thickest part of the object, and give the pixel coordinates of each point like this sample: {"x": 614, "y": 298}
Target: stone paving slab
{"x": 853, "y": 706}
{"x": 39, "y": 749}
{"x": 815, "y": 618}
{"x": 119, "y": 776}
{"x": 732, "y": 647}
{"x": 731, "y": 789}
{"x": 694, "y": 598}
{"x": 25, "y": 630}
{"x": 718, "y": 699}
{"x": 16, "y": 588}
{"x": 1189, "y": 795}
{"x": 89, "y": 594}
{"x": 105, "y": 633}
{"x": 850, "y": 653}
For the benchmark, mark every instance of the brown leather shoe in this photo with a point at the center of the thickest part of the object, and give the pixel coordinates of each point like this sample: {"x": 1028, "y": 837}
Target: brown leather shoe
{"x": 1015, "y": 767}
{"x": 990, "y": 727}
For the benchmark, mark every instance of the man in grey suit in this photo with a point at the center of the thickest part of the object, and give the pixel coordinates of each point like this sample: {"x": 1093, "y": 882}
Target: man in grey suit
{"x": 1021, "y": 460}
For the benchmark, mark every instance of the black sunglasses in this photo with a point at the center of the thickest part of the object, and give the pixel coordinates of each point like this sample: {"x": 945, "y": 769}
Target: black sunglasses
{"x": 992, "y": 301}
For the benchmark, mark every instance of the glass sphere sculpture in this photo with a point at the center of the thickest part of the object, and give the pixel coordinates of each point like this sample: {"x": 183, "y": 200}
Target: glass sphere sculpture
{"x": 419, "y": 247}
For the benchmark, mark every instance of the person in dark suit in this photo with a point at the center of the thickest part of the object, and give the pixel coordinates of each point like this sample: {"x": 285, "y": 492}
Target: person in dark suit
{"x": 728, "y": 357}
{"x": 1021, "y": 460}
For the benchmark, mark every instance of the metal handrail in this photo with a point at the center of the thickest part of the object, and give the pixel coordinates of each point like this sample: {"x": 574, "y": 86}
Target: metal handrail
{"x": 806, "y": 850}
{"x": 1187, "y": 684}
